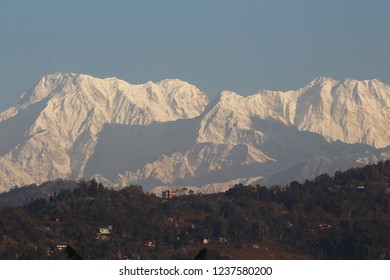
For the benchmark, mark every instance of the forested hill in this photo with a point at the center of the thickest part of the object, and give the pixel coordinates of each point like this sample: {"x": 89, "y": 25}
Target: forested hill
{"x": 344, "y": 217}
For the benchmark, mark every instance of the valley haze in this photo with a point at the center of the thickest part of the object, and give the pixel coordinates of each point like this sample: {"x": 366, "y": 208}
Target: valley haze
{"x": 168, "y": 134}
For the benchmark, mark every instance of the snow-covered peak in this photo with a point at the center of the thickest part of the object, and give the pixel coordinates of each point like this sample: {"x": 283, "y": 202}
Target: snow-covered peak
{"x": 347, "y": 82}
{"x": 57, "y": 123}
{"x": 351, "y": 111}
{"x": 172, "y": 83}
{"x": 44, "y": 88}
{"x": 75, "y": 125}
{"x": 162, "y": 101}
{"x": 321, "y": 80}
{"x": 225, "y": 94}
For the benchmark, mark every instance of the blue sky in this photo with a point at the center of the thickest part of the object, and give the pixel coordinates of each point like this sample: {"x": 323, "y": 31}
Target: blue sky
{"x": 238, "y": 45}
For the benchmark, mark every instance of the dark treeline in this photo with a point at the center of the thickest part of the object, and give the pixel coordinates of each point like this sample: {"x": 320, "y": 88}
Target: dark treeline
{"x": 344, "y": 217}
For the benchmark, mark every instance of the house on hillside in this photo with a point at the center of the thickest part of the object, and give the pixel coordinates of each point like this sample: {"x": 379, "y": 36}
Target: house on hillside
{"x": 61, "y": 247}
{"x": 168, "y": 194}
{"x": 324, "y": 226}
{"x": 149, "y": 244}
{"x": 104, "y": 233}
{"x": 222, "y": 240}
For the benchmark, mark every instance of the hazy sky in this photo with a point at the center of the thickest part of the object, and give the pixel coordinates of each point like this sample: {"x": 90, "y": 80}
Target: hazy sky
{"x": 238, "y": 45}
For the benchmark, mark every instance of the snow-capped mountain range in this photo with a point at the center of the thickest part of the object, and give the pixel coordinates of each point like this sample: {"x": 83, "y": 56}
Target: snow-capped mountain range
{"x": 167, "y": 134}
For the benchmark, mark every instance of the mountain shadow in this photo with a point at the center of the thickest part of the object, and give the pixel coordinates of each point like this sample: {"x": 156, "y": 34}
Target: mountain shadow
{"x": 129, "y": 147}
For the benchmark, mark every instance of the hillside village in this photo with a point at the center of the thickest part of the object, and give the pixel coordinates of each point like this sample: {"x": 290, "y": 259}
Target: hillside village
{"x": 344, "y": 217}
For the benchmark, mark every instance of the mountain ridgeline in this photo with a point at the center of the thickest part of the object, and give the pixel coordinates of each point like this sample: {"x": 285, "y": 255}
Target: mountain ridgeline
{"x": 167, "y": 134}
{"x": 342, "y": 217}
